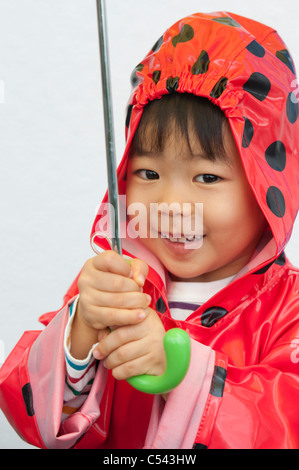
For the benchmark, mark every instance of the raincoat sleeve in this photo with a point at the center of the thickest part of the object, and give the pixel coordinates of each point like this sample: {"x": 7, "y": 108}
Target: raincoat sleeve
{"x": 259, "y": 406}
{"x": 236, "y": 407}
{"x": 32, "y": 396}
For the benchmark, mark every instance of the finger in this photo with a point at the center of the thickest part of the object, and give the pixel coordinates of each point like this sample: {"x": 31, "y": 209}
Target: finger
{"x": 139, "y": 271}
{"x": 110, "y": 261}
{"x": 135, "y": 358}
{"x": 133, "y": 368}
{"x": 102, "y": 317}
{"x": 121, "y": 336}
{"x": 126, "y": 353}
{"x": 106, "y": 281}
{"x": 127, "y": 300}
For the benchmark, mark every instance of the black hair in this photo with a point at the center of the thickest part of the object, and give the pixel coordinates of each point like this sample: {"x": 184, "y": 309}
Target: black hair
{"x": 183, "y": 113}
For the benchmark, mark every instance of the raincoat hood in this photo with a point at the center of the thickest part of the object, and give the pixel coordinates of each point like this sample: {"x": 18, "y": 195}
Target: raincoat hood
{"x": 243, "y": 67}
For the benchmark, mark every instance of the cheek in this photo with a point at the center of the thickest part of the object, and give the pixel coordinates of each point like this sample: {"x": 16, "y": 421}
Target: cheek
{"x": 133, "y": 202}
{"x": 137, "y": 214}
{"x": 249, "y": 211}
{"x": 222, "y": 216}
{"x": 135, "y": 193}
{"x": 235, "y": 213}
{"x": 129, "y": 192}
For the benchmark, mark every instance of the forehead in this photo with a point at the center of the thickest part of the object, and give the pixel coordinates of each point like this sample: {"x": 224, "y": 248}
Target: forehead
{"x": 175, "y": 142}
{"x": 185, "y": 146}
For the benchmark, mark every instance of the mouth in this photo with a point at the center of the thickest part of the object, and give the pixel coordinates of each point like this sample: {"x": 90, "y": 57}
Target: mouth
{"x": 179, "y": 239}
{"x": 182, "y": 243}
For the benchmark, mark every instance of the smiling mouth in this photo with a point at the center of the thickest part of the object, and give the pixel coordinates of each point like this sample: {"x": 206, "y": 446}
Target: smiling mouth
{"x": 185, "y": 239}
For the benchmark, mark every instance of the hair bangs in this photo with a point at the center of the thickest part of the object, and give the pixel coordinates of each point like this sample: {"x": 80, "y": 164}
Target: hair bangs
{"x": 184, "y": 115}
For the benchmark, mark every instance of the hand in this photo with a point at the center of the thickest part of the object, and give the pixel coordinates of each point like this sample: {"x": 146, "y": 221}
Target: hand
{"x": 110, "y": 293}
{"x": 134, "y": 349}
{"x": 110, "y": 296}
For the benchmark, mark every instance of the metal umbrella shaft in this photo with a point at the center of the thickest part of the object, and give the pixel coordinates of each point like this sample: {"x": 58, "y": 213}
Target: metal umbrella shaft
{"x": 176, "y": 341}
{"x": 109, "y": 129}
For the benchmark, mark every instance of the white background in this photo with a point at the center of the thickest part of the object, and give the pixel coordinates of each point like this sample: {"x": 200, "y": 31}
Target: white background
{"x": 52, "y": 146}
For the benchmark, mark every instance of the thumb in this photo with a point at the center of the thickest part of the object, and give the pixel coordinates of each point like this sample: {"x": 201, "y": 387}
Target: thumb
{"x": 139, "y": 270}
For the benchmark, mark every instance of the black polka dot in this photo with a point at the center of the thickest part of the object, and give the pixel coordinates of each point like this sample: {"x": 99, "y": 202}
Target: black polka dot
{"x": 275, "y": 201}
{"x": 264, "y": 269}
{"x": 202, "y": 64}
{"x": 258, "y": 85}
{"x": 212, "y": 315}
{"x": 228, "y": 21}
{"x": 160, "y": 305}
{"x": 156, "y": 76}
{"x": 134, "y": 79}
{"x": 292, "y": 107}
{"x": 281, "y": 259}
{"x": 157, "y": 44}
{"x": 247, "y": 133}
{"x": 28, "y": 398}
{"x": 256, "y": 49}
{"x": 218, "y": 381}
{"x": 199, "y": 446}
{"x": 185, "y": 35}
{"x": 219, "y": 88}
{"x": 285, "y": 57}
{"x": 172, "y": 84}
{"x": 129, "y": 113}
{"x": 276, "y": 156}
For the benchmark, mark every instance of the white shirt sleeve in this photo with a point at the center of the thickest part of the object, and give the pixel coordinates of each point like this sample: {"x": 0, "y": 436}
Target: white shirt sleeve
{"x": 79, "y": 373}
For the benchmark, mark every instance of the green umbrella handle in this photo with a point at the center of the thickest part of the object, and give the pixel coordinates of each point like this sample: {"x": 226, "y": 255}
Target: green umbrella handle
{"x": 177, "y": 347}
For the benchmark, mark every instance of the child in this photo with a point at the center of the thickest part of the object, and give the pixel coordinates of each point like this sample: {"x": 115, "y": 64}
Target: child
{"x": 213, "y": 119}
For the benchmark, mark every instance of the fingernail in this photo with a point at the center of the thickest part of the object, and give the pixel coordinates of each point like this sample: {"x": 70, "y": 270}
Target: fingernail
{"x": 96, "y": 354}
{"x": 141, "y": 315}
{"x": 141, "y": 279}
{"x": 148, "y": 298}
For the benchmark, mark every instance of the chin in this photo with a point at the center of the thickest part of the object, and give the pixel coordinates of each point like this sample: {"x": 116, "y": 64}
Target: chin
{"x": 183, "y": 276}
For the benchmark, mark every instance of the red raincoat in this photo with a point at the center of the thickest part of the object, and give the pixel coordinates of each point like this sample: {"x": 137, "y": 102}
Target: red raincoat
{"x": 243, "y": 382}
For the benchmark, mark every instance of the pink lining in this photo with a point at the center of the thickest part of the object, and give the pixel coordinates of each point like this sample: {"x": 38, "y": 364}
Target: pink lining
{"x": 174, "y": 425}
{"x": 46, "y": 367}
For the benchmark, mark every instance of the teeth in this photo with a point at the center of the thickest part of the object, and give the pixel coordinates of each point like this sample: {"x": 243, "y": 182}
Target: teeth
{"x": 187, "y": 238}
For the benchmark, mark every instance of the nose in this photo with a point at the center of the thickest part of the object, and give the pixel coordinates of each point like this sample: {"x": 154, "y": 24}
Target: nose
{"x": 175, "y": 194}
{"x": 171, "y": 206}
{"x": 177, "y": 213}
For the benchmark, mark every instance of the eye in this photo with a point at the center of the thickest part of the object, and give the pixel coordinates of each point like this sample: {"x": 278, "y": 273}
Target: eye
{"x": 147, "y": 174}
{"x": 207, "y": 179}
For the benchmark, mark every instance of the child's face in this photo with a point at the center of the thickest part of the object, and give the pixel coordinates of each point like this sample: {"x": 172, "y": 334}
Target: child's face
{"x": 232, "y": 220}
